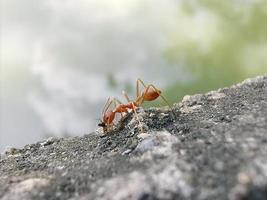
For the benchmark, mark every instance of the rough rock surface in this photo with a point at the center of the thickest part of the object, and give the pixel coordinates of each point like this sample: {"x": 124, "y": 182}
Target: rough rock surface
{"x": 209, "y": 146}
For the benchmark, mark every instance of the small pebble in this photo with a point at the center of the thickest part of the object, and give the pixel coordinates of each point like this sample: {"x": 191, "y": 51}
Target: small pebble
{"x": 127, "y": 152}
{"x": 243, "y": 178}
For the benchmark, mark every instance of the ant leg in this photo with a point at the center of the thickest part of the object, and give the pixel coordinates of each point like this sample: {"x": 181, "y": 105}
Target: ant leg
{"x": 116, "y": 102}
{"x": 137, "y": 118}
{"x": 107, "y": 105}
{"x": 109, "y": 127}
{"x": 142, "y": 82}
{"x": 126, "y": 96}
{"x": 137, "y": 87}
{"x": 112, "y": 101}
{"x": 164, "y": 99}
{"x": 140, "y": 99}
{"x": 123, "y": 117}
{"x": 133, "y": 106}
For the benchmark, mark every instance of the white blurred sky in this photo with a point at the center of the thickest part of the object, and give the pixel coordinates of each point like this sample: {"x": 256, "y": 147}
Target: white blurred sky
{"x": 56, "y": 56}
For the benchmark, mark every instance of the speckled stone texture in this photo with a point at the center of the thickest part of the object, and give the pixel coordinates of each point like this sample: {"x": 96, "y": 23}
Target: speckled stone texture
{"x": 209, "y": 146}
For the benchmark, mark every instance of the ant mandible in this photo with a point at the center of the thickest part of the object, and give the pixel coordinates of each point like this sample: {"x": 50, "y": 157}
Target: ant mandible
{"x": 149, "y": 93}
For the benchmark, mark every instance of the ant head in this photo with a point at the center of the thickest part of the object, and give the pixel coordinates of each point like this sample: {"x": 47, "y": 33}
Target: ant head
{"x": 108, "y": 118}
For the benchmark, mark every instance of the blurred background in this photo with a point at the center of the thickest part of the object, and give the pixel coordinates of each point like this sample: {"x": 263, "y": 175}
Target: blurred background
{"x": 61, "y": 60}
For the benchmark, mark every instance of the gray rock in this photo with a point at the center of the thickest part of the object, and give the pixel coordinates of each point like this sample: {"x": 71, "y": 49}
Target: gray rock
{"x": 209, "y": 146}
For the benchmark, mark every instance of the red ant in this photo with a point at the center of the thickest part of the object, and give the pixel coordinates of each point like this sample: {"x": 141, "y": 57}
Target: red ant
{"x": 150, "y": 93}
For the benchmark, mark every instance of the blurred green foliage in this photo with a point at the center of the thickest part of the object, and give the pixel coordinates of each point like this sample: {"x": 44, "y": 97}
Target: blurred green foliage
{"x": 236, "y": 50}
